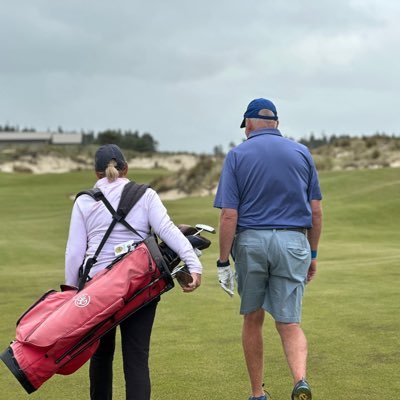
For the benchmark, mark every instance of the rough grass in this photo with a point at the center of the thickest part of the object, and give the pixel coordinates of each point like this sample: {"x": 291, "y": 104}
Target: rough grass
{"x": 350, "y": 313}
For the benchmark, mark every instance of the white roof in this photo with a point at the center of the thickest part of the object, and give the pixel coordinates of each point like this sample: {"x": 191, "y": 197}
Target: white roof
{"x": 24, "y": 136}
{"x": 66, "y": 138}
{"x": 55, "y": 138}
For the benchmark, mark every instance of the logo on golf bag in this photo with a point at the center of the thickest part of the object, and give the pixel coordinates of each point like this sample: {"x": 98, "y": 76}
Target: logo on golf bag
{"x": 82, "y": 300}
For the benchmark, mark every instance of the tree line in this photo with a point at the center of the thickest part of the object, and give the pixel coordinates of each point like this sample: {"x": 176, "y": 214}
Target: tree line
{"x": 313, "y": 142}
{"x": 144, "y": 143}
{"x": 127, "y": 139}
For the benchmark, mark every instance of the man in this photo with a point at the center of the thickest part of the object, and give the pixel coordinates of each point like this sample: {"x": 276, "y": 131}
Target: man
{"x": 270, "y": 221}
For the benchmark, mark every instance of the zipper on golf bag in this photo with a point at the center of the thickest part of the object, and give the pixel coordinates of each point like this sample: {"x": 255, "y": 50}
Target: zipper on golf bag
{"x": 34, "y": 305}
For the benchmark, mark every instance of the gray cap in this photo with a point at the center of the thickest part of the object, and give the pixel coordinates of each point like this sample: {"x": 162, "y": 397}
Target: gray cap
{"x": 105, "y": 154}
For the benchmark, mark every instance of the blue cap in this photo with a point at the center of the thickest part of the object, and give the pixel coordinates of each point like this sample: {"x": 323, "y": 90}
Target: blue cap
{"x": 105, "y": 154}
{"x": 254, "y": 108}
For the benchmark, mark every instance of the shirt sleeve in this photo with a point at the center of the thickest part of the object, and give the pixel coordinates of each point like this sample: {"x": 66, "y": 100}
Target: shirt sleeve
{"x": 168, "y": 232}
{"x": 228, "y": 191}
{"x": 76, "y": 246}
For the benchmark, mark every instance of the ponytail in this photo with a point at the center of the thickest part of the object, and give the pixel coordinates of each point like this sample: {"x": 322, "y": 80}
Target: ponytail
{"x": 111, "y": 171}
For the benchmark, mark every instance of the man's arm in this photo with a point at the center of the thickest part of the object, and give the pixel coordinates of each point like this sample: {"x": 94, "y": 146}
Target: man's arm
{"x": 313, "y": 236}
{"x": 227, "y": 230}
{"x": 315, "y": 232}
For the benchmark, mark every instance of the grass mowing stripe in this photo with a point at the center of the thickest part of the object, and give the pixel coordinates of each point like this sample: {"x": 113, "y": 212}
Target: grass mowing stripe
{"x": 350, "y": 313}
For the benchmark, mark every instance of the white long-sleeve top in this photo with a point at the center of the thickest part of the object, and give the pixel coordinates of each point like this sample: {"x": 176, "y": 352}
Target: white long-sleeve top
{"x": 90, "y": 220}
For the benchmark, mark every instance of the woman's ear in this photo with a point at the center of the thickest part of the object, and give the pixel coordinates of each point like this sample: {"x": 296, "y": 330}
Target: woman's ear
{"x": 124, "y": 172}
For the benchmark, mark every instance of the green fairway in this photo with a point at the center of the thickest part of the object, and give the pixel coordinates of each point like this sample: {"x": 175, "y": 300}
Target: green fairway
{"x": 351, "y": 310}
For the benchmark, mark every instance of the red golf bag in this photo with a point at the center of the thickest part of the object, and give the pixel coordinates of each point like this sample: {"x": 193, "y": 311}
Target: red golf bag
{"x": 61, "y": 331}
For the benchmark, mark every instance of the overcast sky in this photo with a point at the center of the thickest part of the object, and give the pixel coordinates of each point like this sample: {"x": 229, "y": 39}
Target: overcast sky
{"x": 185, "y": 70}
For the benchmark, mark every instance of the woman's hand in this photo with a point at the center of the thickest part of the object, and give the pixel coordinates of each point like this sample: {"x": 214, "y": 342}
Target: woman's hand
{"x": 196, "y": 282}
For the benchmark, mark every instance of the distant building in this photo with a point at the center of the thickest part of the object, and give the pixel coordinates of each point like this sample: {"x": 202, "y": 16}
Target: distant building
{"x": 66, "y": 138}
{"x": 40, "y": 137}
{"x": 25, "y": 137}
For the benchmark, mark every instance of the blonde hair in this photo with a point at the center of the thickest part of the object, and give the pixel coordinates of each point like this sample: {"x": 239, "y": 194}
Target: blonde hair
{"x": 111, "y": 171}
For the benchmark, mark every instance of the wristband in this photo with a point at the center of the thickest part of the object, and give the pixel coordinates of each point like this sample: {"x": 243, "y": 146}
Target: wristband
{"x": 313, "y": 254}
{"x": 223, "y": 263}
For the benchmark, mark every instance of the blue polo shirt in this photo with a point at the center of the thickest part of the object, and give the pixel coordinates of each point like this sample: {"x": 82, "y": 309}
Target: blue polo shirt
{"x": 270, "y": 180}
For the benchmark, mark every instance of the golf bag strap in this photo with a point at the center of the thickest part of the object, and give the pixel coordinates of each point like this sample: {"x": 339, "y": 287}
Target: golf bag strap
{"x": 131, "y": 193}
{"x": 117, "y": 215}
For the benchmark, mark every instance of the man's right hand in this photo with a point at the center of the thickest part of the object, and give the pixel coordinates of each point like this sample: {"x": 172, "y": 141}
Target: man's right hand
{"x": 226, "y": 279}
{"x": 312, "y": 270}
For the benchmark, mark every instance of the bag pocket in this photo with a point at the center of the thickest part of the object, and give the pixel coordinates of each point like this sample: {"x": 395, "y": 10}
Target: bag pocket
{"x": 67, "y": 324}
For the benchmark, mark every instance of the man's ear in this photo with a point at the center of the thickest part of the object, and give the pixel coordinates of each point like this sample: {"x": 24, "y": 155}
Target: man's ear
{"x": 249, "y": 126}
{"x": 277, "y": 123}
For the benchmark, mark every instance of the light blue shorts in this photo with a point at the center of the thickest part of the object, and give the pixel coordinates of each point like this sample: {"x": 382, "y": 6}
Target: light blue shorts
{"x": 271, "y": 272}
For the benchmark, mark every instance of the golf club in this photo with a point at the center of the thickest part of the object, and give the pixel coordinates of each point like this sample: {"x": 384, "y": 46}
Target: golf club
{"x": 181, "y": 273}
{"x": 203, "y": 227}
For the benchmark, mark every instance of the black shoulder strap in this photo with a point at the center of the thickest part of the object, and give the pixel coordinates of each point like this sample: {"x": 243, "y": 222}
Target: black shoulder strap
{"x": 95, "y": 193}
{"x": 131, "y": 194}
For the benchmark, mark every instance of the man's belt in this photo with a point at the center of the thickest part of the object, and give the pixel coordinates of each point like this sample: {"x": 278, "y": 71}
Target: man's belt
{"x": 302, "y": 230}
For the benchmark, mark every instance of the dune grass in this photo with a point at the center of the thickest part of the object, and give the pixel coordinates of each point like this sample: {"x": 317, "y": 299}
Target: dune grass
{"x": 351, "y": 310}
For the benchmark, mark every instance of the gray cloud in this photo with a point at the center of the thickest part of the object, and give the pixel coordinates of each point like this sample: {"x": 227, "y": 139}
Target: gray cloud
{"x": 185, "y": 71}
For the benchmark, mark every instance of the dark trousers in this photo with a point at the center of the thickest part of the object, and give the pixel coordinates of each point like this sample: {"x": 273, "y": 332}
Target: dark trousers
{"x": 135, "y": 341}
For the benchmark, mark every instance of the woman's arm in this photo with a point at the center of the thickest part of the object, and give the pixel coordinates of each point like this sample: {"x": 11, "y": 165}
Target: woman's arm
{"x": 76, "y": 246}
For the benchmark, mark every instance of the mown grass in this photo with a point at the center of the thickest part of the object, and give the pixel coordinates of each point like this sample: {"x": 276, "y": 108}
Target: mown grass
{"x": 351, "y": 310}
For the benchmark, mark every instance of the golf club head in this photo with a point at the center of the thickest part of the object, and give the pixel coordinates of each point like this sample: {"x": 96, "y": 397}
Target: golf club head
{"x": 199, "y": 242}
{"x": 187, "y": 229}
{"x": 170, "y": 257}
{"x": 182, "y": 275}
{"x": 203, "y": 227}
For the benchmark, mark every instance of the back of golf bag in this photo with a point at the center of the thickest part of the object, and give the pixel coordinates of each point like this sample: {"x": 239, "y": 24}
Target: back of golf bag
{"x": 61, "y": 331}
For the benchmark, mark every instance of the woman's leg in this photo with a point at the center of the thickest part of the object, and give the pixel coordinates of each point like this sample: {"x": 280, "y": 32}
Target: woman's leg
{"x": 135, "y": 337}
{"x": 100, "y": 369}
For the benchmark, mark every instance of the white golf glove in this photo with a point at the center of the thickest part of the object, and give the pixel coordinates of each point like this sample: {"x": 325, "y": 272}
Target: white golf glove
{"x": 226, "y": 277}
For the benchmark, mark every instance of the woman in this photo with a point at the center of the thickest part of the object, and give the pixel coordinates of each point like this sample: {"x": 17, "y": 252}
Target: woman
{"x": 89, "y": 222}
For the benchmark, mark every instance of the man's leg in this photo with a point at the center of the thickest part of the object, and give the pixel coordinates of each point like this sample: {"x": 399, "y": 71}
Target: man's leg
{"x": 294, "y": 345}
{"x": 101, "y": 368}
{"x": 252, "y": 340}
